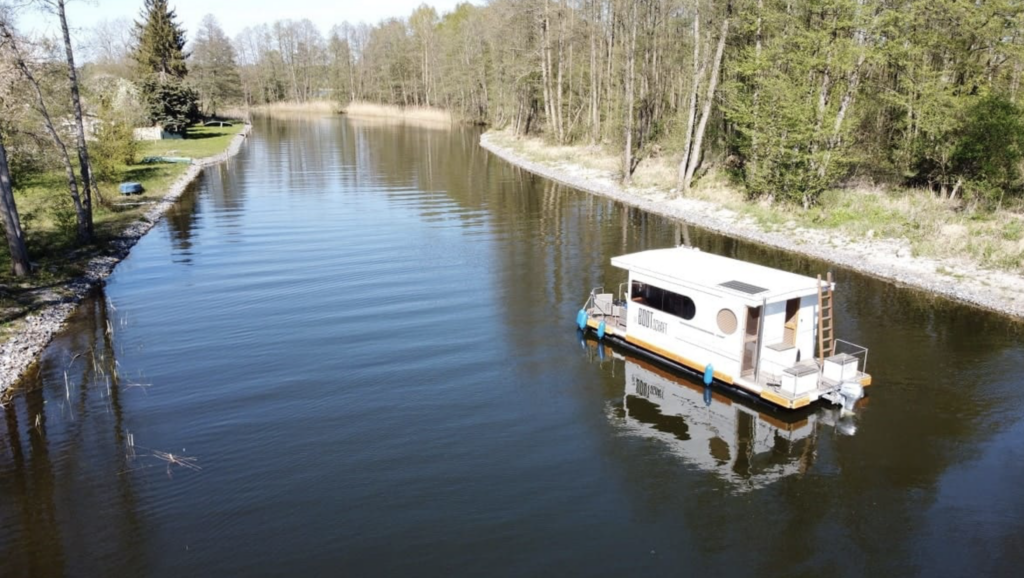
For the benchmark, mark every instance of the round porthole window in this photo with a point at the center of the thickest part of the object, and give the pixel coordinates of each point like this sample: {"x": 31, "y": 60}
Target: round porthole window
{"x": 727, "y": 321}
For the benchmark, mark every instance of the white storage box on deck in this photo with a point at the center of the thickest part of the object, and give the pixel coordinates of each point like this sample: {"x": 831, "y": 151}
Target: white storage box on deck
{"x": 800, "y": 379}
{"x": 840, "y": 367}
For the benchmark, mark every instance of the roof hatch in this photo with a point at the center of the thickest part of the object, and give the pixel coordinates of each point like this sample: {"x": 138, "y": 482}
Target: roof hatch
{"x": 743, "y": 287}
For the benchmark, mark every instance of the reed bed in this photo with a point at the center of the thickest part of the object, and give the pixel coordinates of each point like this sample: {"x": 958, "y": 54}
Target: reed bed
{"x": 411, "y": 114}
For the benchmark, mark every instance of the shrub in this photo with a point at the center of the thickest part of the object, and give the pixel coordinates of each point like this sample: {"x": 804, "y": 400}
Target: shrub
{"x": 170, "y": 103}
{"x": 115, "y": 143}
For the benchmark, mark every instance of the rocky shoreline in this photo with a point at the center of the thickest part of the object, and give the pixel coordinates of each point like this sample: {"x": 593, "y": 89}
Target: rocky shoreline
{"x": 36, "y": 330}
{"x": 888, "y": 259}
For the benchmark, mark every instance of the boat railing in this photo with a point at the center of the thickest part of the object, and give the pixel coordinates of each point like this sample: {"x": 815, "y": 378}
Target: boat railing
{"x": 854, "y": 350}
{"x": 592, "y": 297}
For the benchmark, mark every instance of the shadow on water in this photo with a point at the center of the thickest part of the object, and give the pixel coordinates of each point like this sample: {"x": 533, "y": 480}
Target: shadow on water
{"x": 64, "y": 457}
{"x": 745, "y": 444}
{"x": 182, "y": 218}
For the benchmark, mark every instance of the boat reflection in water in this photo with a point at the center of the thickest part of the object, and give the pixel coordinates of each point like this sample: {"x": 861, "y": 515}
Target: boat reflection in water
{"x": 745, "y": 443}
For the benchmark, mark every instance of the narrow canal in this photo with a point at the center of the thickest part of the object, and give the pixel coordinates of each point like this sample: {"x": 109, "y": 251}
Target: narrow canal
{"x": 350, "y": 351}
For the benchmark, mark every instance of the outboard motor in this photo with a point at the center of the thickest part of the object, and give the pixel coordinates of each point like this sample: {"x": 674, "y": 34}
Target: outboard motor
{"x": 851, "y": 391}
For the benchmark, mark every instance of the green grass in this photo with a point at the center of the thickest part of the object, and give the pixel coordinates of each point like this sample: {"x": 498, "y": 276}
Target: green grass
{"x": 203, "y": 141}
{"x": 48, "y": 217}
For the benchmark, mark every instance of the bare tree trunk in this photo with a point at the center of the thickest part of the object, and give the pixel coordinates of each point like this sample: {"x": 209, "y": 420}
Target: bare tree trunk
{"x": 706, "y": 113}
{"x": 85, "y": 167}
{"x": 755, "y": 150}
{"x": 558, "y": 86}
{"x": 609, "y": 61}
{"x": 426, "y": 75}
{"x": 545, "y": 69}
{"x": 20, "y": 265}
{"x": 698, "y": 74}
{"x": 84, "y": 218}
{"x": 627, "y": 155}
{"x": 351, "y": 77}
{"x": 594, "y": 115}
{"x": 572, "y": 24}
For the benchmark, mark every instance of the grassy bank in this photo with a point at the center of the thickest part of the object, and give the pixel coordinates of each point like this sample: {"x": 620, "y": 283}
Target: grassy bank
{"x": 932, "y": 227}
{"x": 48, "y": 218}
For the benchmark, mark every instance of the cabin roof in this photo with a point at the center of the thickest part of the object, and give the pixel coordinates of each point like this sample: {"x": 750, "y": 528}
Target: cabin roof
{"x": 692, "y": 267}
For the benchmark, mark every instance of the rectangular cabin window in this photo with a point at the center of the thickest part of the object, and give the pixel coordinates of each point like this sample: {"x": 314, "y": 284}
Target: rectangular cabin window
{"x": 662, "y": 300}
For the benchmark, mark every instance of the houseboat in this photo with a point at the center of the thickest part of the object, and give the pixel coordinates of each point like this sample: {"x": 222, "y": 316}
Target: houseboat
{"x": 747, "y": 445}
{"x": 766, "y": 333}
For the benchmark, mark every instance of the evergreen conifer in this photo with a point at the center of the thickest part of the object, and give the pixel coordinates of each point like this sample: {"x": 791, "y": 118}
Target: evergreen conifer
{"x": 160, "y": 58}
{"x": 161, "y": 41}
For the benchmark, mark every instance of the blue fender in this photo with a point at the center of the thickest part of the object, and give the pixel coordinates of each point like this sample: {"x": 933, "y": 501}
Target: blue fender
{"x": 600, "y": 330}
{"x": 709, "y": 374}
{"x": 581, "y": 320}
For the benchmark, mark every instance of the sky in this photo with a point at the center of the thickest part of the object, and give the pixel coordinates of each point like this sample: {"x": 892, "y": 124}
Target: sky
{"x": 233, "y": 15}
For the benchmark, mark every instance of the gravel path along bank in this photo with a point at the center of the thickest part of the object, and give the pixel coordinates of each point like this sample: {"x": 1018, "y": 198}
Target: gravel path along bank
{"x": 888, "y": 259}
{"x": 36, "y": 330}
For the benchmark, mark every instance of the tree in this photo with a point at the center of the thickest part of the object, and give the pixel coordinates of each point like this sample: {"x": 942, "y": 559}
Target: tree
{"x": 160, "y": 58}
{"x": 171, "y": 104}
{"x": 693, "y": 155}
{"x": 214, "y": 70}
{"x": 20, "y": 265}
{"x": 110, "y": 47}
{"x": 160, "y": 47}
{"x": 85, "y": 168}
{"x": 343, "y": 84}
{"x": 423, "y": 22}
{"x": 115, "y": 145}
{"x": 794, "y": 92}
{"x": 991, "y": 146}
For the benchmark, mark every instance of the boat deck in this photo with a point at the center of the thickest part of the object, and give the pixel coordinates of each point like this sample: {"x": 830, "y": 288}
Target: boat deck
{"x": 611, "y": 312}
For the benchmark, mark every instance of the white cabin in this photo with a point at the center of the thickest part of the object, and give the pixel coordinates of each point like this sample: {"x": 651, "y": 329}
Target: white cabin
{"x": 750, "y": 326}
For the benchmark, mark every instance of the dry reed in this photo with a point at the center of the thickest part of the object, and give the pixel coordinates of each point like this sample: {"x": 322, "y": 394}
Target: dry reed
{"x": 409, "y": 114}
{"x": 285, "y": 109}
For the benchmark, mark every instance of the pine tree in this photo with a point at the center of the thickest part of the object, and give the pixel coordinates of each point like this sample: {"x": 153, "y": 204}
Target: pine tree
{"x": 161, "y": 41}
{"x": 160, "y": 56}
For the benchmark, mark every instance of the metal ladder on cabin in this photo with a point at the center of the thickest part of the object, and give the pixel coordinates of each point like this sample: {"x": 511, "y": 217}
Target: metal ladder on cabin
{"x": 826, "y": 327}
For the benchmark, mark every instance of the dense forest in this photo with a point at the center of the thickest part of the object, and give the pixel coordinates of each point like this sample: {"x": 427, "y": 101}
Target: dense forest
{"x": 791, "y": 96}
{"x": 788, "y": 99}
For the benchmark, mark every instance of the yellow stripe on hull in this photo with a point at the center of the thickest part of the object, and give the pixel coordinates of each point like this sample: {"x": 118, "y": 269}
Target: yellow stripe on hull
{"x": 777, "y": 399}
{"x": 594, "y": 324}
{"x": 724, "y": 378}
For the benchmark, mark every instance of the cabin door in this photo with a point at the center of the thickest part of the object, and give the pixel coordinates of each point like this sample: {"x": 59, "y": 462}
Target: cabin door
{"x": 751, "y": 344}
{"x": 792, "y": 317}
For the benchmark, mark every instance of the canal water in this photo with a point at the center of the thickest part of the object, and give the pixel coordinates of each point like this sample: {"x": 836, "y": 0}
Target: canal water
{"x": 350, "y": 351}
